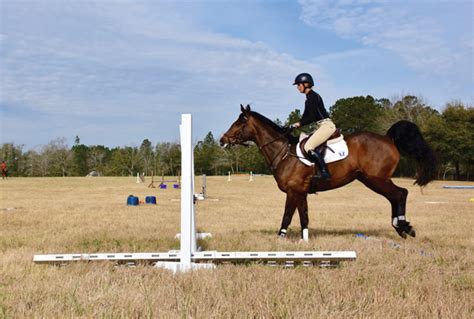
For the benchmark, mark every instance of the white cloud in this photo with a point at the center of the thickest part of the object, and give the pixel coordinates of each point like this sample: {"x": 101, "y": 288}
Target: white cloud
{"x": 417, "y": 38}
{"x": 137, "y": 60}
{"x": 126, "y": 50}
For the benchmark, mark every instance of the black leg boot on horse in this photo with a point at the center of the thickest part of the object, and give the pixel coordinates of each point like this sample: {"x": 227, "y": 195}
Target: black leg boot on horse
{"x": 318, "y": 158}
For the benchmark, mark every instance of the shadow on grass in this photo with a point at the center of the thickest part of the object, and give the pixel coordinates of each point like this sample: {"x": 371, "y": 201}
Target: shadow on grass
{"x": 315, "y": 232}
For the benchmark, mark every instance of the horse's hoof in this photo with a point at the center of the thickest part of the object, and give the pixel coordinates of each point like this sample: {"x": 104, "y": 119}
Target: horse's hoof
{"x": 282, "y": 234}
{"x": 404, "y": 229}
{"x": 402, "y": 232}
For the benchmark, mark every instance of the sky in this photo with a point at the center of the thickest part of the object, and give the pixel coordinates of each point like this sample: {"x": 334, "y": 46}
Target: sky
{"x": 117, "y": 72}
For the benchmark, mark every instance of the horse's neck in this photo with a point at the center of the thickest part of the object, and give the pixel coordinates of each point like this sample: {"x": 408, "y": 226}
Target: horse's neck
{"x": 272, "y": 145}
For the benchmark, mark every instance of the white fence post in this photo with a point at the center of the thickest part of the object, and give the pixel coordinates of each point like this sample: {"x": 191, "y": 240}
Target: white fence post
{"x": 186, "y": 190}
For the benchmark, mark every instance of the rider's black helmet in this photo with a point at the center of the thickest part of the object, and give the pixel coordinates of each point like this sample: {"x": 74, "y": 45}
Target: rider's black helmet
{"x": 304, "y": 78}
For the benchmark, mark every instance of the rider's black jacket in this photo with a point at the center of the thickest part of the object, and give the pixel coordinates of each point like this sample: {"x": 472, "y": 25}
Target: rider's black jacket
{"x": 314, "y": 109}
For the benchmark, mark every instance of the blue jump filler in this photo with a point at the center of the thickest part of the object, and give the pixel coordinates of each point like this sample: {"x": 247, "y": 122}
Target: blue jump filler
{"x": 150, "y": 200}
{"x": 132, "y": 200}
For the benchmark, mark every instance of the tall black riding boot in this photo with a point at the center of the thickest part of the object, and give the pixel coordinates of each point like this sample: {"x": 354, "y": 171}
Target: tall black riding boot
{"x": 318, "y": 159}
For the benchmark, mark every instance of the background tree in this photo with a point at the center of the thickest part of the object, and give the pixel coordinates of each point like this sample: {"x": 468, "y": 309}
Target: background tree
{"x": 168, "y": 158}
{"x": 13, "y": 155}
{"x": 79, "y": 158}
{"x": 452, "y": 137}
{"x": 61, "y": 157}
{"x": 98, "y": 157}
{"x": 356, "y": 114}
{"x": 146, "y": 156}
{"x": 205, "y": 155}
{"x": 410, "y": 108}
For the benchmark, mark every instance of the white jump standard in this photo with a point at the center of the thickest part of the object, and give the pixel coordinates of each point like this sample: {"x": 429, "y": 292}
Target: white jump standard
{"x": 188, "y": 257}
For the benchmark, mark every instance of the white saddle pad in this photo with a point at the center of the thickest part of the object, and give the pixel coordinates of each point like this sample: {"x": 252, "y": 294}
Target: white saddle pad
{"x": 336, "y": 151}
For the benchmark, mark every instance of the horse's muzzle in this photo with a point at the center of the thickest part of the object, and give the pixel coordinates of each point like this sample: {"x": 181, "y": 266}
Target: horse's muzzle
{"x": 225, "y": 141}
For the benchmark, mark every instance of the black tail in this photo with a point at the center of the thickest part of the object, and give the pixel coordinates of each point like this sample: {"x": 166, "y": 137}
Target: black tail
{"x": 407, "y": 137}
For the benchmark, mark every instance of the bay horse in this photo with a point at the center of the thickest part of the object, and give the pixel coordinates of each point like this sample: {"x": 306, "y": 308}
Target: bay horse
{"x": 372, "y": 160}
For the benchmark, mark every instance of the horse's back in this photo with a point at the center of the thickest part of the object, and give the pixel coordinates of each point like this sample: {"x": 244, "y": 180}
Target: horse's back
{"x": 373, "y": 154}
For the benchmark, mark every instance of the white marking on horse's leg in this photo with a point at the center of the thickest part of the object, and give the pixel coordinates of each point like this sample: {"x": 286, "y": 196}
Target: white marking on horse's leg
{"x": 395, "y": 221}
{"x": 305, "y": 234}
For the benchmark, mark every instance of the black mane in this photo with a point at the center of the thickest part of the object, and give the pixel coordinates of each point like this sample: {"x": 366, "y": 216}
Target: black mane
{"x": 280, "y": 129}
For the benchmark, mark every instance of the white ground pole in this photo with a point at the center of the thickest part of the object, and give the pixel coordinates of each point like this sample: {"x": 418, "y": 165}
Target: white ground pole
{"x": 251, "y": 177}
{"x": 188, "y": 258}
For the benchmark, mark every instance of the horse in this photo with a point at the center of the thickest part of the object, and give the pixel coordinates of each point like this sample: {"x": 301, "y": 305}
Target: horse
{"x": 372, "y": 160}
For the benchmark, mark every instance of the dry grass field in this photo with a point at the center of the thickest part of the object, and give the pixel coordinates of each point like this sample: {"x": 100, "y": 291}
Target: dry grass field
{"x": 430, "y": 276}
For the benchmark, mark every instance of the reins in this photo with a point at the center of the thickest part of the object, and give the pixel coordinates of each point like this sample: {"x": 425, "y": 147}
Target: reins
{"x": 275, "y": 139}
{"x": 272, "y": 167}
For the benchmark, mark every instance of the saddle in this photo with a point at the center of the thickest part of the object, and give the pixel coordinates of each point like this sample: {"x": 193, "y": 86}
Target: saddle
{"x": 334, "y": 138}
{"x": 334, "y": 149}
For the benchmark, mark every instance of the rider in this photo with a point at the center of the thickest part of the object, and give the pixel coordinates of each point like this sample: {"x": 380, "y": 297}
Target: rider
{"x": 4, "y": 169}
{"x": 314, "y": 111}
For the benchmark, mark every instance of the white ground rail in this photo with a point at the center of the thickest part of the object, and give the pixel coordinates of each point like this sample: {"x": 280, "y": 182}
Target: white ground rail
{"x": 188, "y": 257}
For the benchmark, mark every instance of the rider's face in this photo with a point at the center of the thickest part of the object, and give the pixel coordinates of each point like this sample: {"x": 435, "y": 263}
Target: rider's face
{"x": 300, "y": 87}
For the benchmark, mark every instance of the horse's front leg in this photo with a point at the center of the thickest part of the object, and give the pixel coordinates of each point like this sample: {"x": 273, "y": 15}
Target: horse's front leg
{"x": 302, "y": 205}
{"x": 290, "y": 206}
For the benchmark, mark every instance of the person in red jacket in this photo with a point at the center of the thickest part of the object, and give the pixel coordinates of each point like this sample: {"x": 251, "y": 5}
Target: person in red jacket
{"x": 4, "y": 168}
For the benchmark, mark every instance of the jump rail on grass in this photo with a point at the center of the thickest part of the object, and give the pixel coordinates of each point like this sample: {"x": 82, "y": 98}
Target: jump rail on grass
{"x": 459, "y": 186}
{"x": 188, "y": 257}
{"x": 203, "y": 256}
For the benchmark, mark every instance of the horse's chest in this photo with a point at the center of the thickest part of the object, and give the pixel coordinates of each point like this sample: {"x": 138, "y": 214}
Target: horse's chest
{"x": 291, "y": 180}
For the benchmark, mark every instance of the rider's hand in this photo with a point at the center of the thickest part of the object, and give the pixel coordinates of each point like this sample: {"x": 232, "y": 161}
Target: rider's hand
{"x": 294, "y": 125}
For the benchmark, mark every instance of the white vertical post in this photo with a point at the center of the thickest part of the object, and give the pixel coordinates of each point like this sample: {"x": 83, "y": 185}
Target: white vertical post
{"x": 188, "y": 222}
{"x": 228, "y": 179}
{"x": 193, "y": 207}
{"x": 186, "y": 191}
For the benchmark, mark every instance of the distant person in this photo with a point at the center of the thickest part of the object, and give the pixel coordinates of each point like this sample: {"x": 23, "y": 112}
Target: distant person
{"x": 4, "y": 168}
{"x": 314, "y": 112}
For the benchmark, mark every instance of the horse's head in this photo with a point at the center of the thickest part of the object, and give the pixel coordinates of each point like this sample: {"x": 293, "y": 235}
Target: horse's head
{"x": 241, "y": 131}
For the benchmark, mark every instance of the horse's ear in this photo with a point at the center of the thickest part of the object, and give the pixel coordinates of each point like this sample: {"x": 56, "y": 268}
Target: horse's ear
{"x": 242, "y": 108}
{"x": 248, "y": 107}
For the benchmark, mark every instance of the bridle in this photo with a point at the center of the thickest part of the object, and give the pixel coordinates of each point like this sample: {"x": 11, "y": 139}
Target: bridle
{"x": 238, "y": 140}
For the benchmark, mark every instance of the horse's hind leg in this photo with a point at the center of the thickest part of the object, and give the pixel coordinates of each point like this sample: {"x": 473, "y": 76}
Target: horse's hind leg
{"x": 397, "y": 196}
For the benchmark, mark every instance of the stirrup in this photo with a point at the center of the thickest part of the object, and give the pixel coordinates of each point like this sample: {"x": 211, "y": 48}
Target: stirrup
{"x": 324, "y": 174}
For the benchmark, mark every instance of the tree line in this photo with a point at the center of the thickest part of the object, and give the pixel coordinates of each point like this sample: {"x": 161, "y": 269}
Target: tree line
{"x": 450, "y": 133}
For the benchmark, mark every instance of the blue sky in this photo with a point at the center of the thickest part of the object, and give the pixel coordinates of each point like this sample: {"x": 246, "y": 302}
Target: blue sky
{"x": 117, "y": 72}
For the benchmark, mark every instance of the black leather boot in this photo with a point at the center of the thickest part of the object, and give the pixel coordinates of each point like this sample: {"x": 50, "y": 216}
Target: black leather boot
{"x": 318, "y": 159}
